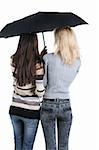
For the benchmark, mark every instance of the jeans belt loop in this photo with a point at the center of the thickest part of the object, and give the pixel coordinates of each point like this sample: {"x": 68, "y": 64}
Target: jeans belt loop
{"x": 56, "y": 100}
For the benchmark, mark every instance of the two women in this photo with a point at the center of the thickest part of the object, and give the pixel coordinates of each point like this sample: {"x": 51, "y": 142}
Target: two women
{"x": 28, "y": 73}
{"x": 61, "y": 67}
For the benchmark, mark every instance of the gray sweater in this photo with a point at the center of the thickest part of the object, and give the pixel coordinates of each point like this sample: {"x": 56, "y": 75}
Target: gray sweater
{"x": 58, "y": 76}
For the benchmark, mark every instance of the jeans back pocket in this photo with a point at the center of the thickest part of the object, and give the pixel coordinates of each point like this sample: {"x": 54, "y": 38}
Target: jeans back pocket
{"x": 50, "y": 110}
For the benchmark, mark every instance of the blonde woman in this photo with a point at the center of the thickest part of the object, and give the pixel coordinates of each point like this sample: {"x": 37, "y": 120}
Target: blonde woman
{"x": 61, "y": 67}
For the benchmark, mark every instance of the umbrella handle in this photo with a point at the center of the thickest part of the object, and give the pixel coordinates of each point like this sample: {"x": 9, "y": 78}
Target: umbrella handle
{"x": 43, "y": 38}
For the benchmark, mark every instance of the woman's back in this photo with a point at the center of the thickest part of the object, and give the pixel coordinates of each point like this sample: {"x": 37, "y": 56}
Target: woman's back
{"x": 27, "y": 70}
{"x": 59, "y": 76}
{"x": 28, "y": 89}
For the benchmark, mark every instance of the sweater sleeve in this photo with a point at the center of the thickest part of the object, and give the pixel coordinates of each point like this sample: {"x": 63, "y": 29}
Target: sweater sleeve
{"x": 45, "y": 70}
{"x": 39, "y": 90}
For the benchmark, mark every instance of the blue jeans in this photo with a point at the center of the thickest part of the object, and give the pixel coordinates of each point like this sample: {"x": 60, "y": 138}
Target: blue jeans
{"x": 52, "y": 113}
{"x": 24, "y": 132}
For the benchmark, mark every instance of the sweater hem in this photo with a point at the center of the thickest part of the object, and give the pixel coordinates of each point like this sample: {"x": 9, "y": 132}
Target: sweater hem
{"x": 31, "y": 114}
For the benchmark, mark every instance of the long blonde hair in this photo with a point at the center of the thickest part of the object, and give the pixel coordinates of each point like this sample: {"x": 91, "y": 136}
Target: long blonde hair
{"x": 66, "y": 45}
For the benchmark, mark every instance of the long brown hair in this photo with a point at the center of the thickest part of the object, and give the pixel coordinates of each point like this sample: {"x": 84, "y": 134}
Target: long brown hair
{"x": 25, "y": 58}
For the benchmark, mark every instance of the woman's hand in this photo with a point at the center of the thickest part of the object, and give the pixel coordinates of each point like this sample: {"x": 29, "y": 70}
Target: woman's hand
{"x": 43, "y": 52}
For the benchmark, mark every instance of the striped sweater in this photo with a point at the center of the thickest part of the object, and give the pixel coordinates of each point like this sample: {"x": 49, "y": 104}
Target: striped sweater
{"x": 25, "y": 102}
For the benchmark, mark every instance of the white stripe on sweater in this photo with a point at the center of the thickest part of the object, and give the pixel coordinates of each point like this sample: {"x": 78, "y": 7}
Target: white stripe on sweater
{"x": 35, "y": 99}
{"x": 25, "y": 106}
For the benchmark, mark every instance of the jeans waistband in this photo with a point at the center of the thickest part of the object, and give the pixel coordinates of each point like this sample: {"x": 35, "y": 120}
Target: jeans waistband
{"x": 56, "y": 100}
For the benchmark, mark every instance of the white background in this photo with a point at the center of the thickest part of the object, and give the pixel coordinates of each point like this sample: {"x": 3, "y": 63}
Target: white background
{"x": 84, "y": 90}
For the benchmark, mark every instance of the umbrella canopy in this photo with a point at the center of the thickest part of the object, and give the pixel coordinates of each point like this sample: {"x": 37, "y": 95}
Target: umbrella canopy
{"x": 41, "y": 22}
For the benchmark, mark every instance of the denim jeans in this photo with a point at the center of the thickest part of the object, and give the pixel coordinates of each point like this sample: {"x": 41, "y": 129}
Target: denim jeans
{"x": 24, "y": 132}
{"x": 56, "y": 113}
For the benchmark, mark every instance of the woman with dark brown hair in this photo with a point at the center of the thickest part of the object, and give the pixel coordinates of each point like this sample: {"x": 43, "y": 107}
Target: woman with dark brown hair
{"x": 27, "y": 69}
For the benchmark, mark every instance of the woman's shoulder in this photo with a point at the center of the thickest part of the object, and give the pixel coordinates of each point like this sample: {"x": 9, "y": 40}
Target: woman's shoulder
{"x": 47, "y": 56}
{"x": 11, "y": 61}
{"x": 78, "y": 61}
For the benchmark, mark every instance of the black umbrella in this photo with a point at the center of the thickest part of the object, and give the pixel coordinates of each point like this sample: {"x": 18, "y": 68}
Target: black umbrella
{"x": 41, "y": 22}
